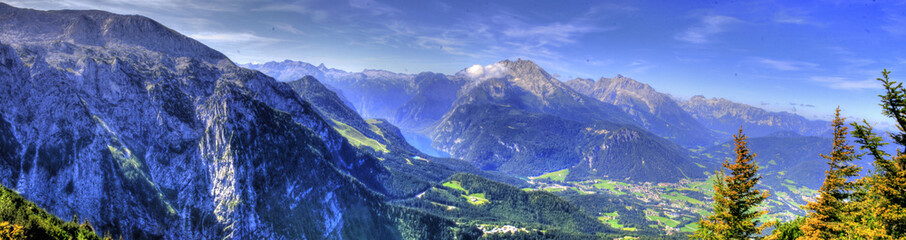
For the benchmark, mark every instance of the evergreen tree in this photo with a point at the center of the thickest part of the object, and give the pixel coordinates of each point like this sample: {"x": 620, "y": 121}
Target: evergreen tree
{"x": 736, "y": 200}
{"x": 825, "y": 219}
{"x": 788, "y": 230}
{"x": 884, "y": 203}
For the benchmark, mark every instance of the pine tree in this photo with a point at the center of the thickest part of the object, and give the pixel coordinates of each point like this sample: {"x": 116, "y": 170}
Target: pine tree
{"x": 736, "y": 200}
{"x": 827, "y": 212}
{"x": 884, "y": 203}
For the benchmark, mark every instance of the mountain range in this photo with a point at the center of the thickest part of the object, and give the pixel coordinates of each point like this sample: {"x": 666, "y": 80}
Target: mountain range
{"x": 527, "y": 122}
{"x": 150, "y": 134}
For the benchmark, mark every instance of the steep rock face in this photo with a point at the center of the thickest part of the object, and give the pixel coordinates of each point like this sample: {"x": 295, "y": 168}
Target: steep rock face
{"x": 328, "y": 103}
{"x": 549, "y": 95}
{"x": 654, "y": 111}
{"x": 434, "y": 96}
{"x": 149, "y": 134}
{"x": 725, "y": 117}
{"x": 528, "y": 123}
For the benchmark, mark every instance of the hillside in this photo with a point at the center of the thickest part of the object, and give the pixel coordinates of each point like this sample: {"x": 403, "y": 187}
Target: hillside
{"x": 166, "y": 138}
{"x": 434, "y": 96}
{"x": 529, "y": 123}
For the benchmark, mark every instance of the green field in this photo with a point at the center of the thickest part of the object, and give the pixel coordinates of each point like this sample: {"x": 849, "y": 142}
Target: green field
{"x": 679, "y": 197}
{"x": 357, "y": 139}
{"x": 689, "y": 227}
{"x": 664, "y": 220}
{"x": 455, "y": 185}
{"x": 558, "y": 176}
{"x": 476, "y": 198}
{"x": 608, "y": 185}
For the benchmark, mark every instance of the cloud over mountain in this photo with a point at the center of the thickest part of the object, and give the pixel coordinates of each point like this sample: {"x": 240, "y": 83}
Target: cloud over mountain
{"x": 480, "y": 73}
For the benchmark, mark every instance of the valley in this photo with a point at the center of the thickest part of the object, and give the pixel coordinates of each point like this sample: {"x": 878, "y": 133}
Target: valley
{"x": 138, "y": 131}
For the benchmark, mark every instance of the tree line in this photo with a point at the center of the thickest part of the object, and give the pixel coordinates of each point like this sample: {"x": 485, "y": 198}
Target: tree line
{"x": 849, "y": 206}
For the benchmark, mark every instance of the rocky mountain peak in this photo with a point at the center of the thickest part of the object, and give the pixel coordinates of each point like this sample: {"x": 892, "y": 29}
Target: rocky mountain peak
{"x": 99, "y": 29}
{"x": 526, "y": 70}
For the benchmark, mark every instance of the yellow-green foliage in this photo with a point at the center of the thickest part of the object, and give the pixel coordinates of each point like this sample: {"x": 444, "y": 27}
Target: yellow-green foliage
{"x": 455, "y": 185}
{"x": 555, "y": 176}
{"x": 372, "y": 123}
{"x": 476, "y": 198}
{"x": 609, "y": 185}
{"x": 22, "y": 219}
{"x": 357, "y": 139}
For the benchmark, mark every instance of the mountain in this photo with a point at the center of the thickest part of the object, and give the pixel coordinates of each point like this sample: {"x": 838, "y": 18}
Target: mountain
{"x": 373, "y": 93}
{"x": 147, "y": 133}
{"x": 529, "y": 123}
{"x": 725, "y": 117}
{"x": 385, "y": 141}
{"x": 434, "y": 96}
{"x": 784, "y": 155}
{"x": 654, "y": 111}
{"x": 292, "y": 70}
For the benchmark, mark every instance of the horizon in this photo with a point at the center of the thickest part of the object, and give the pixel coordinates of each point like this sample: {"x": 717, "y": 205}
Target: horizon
{"x": 805, "y": 59}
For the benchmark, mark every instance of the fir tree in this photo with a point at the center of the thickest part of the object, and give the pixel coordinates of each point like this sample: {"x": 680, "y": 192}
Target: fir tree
{"x": 736, "y": 200}
{"x": 884, "y": 203}
{"x": 827, "y": 212}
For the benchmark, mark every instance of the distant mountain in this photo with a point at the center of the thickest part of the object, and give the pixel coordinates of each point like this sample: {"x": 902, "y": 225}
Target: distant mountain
{"x": 373, "y": 93}
{"x": 654, "y": 111}
{"x": 529, "y": 123}
{"x": 725, "y": 117}
{"x": 384, "y": 140}
{"x": 150, "y": 134}
{"x": 434, "y": 96}
{"x": 287, "y": 70}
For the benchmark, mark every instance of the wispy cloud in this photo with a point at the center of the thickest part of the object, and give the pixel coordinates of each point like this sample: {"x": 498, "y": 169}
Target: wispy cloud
{"x": 638, "y": 66}
{"x": 708, "y": 27}
{"x": 896, "y": 24}
{"x": 555, "y": 33}
{"x": 298, "y": 7}
{"x": 794, "y": 17}
{"x": 375, "y": 7}
{"x": 783, "y": 65}
{"x": 228, "y": 37}
{"x": 846, "y": 83}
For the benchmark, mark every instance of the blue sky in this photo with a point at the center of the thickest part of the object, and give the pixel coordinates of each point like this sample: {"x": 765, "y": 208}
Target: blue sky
{"x": 805, "y": 57}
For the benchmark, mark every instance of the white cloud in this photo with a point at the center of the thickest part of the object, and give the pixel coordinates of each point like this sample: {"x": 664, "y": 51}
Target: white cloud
{"x": 786, "y": 65}
{"x": 709, "y": 26}
{"x": 480, "y": 73}
{"x": 846, "y": 83}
